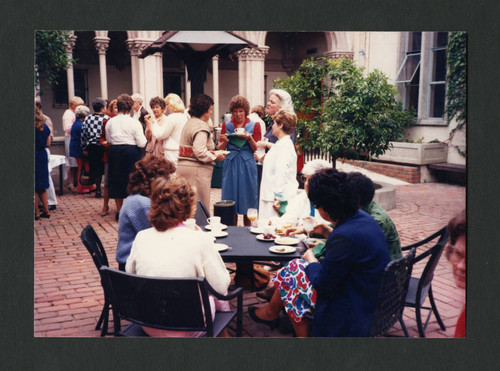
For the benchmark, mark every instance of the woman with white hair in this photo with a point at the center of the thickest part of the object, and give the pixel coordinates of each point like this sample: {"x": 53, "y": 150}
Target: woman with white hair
{"x": 67, "y": 122}
{"x": 278, "y": 99}
{"x": 300, "y": 207}
{"x": 171, "y": 129}
{"x": 75, "y": 149}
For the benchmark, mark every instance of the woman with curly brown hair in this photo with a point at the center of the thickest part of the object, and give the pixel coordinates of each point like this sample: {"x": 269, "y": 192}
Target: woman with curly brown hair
{"x": 134, "y": 213}
{"x": 239, "y": 175}
{"x": 170, "y": 249}
{"x": 158, "y": 120}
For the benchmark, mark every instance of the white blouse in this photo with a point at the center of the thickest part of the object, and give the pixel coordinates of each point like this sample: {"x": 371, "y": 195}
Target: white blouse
{"x": 123, "y": 129}
{"x": 279, "y": 172}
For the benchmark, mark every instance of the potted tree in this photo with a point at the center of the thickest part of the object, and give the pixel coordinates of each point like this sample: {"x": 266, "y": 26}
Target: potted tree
{"x": 353, "y": 116}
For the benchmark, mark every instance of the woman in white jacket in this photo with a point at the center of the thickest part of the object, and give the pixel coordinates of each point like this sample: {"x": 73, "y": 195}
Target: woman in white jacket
{"x": 279, "y": 173}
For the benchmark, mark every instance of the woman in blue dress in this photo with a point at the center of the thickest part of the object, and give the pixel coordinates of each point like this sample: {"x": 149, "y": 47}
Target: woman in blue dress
{"x": 42, "y": 141}
{"x": 239, "y": 172}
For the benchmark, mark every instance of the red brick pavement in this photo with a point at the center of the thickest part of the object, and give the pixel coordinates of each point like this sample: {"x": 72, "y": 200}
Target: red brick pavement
{"x": 68, "y": 296}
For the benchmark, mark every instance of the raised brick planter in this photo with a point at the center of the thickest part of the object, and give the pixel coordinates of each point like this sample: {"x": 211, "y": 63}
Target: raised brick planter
{"x": 415, "y": 153}
{"x": 407, "y": 173}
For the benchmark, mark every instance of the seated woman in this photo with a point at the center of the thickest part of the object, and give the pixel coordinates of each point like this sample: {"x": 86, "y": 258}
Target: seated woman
{"x": 342, "y": 289}
{"x": 170, "y": 249}
{"x": 134, "y": 213}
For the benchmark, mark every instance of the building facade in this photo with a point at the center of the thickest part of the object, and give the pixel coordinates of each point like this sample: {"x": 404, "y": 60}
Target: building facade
{"x": 108, "y": 64}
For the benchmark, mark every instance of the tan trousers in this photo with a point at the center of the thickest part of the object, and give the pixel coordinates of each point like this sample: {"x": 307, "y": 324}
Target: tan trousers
{"x": 198, "y": 175}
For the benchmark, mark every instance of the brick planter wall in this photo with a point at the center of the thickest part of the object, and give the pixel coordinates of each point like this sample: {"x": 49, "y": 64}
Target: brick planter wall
{"x": 407, "y": 173}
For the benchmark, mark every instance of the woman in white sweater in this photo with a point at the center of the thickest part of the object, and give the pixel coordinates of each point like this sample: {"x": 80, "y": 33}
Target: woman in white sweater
{"x": 170, "y": 249}
{"x": 279, "y": 172}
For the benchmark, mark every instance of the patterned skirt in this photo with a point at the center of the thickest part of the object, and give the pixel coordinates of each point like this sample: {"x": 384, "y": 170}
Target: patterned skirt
{"x": 295, "y": 289}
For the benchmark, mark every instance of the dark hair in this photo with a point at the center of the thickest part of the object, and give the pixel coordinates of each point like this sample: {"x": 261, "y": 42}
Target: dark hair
{"x": 39, "y": 119}
{"x": 200, "y": 104}
{"x": 287, "y": 118}
{"x": 172, "y": 202}
{"x": 124, "y": 103}
{"x": 457, "y": 227}
{"x": 331, "y": 190}
{"x": 98, "y": 104}
{"x": 239, "y": 101}
{"x": 364, "y": 187}
{"x": 157, "y": 101}
{"x": 145, "y": 171}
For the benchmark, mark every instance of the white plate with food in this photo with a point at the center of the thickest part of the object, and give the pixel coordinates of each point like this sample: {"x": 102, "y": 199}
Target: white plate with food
{"x": 282, "y": 249}
{"x": 222, "y": 227}
{"x": 218, "y": 234}
{"x": 286, "y": 241}
{"x": 221, "y": 247}
{"x": 266, "y": 237}
{"x": 221, "y": 151}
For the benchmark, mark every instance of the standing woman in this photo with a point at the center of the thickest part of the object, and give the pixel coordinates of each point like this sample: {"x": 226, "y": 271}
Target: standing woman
{"x": 68, "y": 119}
{"x": 171, "y": 131}
{"x": 112, "y": 111}
{"x": 279, "y": 171}
{"x": 126, "y": 137}
{"x": 42, "y": 141}
{"x": 75, "y": 149}
{"x": 239, "y": 174}
{"x": 196, "y": 149}
{"x": 155, "y": 144}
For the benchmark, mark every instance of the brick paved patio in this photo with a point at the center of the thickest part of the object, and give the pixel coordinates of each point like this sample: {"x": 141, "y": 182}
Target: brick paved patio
{"x": 68, "y": 297}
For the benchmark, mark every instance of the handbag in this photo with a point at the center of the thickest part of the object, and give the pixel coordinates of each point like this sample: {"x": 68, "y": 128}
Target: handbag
{"x": 85, "y": 178}
{"x": 251, "y": 276}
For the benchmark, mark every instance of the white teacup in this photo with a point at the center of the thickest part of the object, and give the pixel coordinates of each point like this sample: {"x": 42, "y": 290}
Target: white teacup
{"x": 214, "y": 221}
{"x": 190, "y": 223}
{"x": 239, "y": 130}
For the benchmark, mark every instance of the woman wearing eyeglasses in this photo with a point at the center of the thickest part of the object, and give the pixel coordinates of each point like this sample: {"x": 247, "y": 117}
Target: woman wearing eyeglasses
{"x": 455, "y": 253}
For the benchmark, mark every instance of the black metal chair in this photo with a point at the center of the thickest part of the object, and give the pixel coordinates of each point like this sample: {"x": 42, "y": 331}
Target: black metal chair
{"x": 95, "y": 248}
{"x": 420, "y": 288}
{"x": 391, "y": 296}
{"x": 168, "y": 304}
{"x": 201, "y": 215}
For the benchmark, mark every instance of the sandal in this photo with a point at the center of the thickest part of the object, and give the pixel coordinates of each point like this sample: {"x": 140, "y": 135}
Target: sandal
{"x": 105, "y": 211}
{"x": 45, "y": 215}
{"x": 98, "y": 194}
{"x": 37, "y": 217}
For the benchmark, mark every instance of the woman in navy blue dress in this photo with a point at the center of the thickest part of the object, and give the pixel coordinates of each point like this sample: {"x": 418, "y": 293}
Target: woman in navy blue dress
{"x": 42, "y": 141}
{"x": 239, "y": 172}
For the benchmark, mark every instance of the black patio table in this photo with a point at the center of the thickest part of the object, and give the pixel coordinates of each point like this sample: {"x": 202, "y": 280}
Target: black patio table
{"x": 244, "y": 247}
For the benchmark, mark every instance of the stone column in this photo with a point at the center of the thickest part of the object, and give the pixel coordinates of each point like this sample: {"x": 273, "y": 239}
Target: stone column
{"x": 69, "y": 72}
{"x": 251, "y": 74}
{"x": 101, "y": 44}
{"x": 215, "y": 69}
{"x": 134, "y": 64}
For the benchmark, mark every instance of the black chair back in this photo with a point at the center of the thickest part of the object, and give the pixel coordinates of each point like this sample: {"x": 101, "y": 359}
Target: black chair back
{"x": 94, "y": 246}
{"x": 96, "y": 249}
{"x": 179, "y": 304}
{"x": 201, "y": 215}
{"x": 392, "y": 294}
{"x": 420, "y": 288}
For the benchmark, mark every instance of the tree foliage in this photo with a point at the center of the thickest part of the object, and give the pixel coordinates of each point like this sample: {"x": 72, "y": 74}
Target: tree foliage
{"x": 456, "y": 81}
{"x": 51, "y": 57}
{"x": 342, "y": 112}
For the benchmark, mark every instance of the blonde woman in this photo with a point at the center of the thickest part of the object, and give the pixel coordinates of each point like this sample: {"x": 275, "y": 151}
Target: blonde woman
{"x": 171, "y": 129}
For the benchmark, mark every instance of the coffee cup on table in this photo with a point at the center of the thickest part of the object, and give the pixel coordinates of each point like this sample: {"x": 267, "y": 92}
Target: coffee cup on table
{"x": 214, "y": 222}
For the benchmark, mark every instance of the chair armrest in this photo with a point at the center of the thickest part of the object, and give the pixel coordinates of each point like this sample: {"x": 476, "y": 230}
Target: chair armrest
{"x": 440, "y": 233}
{"x": 231, "y": 295}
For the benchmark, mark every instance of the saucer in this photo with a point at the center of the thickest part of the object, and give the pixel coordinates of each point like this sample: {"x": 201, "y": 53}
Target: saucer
{"x": 221, "y": 246}
{"x": 209, "y": 227}
{"x": 219, "y": 234}
{"x": 282, "y": 249}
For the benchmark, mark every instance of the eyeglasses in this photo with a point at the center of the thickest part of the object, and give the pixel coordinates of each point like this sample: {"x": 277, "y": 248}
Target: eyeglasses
{"x": 454, "y": 255}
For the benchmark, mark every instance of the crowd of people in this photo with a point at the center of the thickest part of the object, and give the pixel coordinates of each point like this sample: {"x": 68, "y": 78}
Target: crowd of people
{"x": 157, "y": 165}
